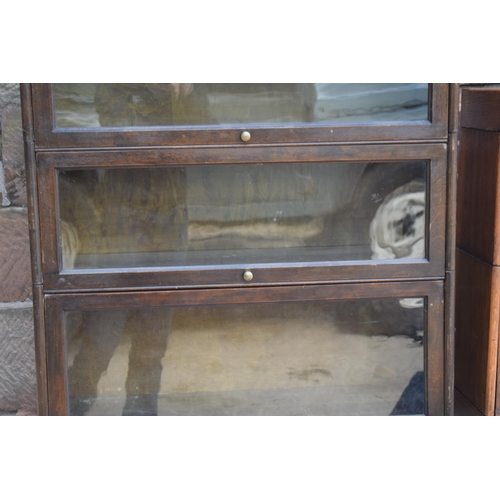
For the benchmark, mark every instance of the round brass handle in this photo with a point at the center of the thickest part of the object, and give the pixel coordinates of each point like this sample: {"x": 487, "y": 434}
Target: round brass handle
{"x": 245, "y": 136}
{"x": 248, "y": 276}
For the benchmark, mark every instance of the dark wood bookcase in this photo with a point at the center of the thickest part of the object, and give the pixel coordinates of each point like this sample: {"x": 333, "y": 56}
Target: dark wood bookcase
{"x": 262, "y": 248}
{"x": 478, "y": 259}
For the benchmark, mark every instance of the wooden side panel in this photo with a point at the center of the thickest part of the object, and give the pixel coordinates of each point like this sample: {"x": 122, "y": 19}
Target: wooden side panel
{"x": 438, "y": 383}
{"x": 449, "y": 335}
{"x": 478, "y": 184}
{"x": 451, "y": 218}
{"x": 492, "y": 367}
{"x": 40, "y": 349}
{"x": 56, "y": 360}
{"x": 452, "y": 170}
{"x": 481, "y": 109}
{"x": 477, "y": 315}
{"x": 31, "y": 183}
{"x": 497, "y": 396}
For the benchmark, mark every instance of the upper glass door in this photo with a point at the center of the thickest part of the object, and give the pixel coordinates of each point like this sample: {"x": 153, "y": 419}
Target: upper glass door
{"x": 92, "y": 105}
{"x": 69, "y": 115}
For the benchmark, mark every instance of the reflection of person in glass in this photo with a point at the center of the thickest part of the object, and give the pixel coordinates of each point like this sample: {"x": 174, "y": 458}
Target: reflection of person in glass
{"x": 149, "y": 104}
{"x": 93, "y": 204}
{"x": 101, "y": 332}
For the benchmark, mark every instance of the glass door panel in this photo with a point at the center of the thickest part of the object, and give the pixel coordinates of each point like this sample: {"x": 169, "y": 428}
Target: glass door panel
{"x": 181, "y": 104}
{"x": 346, "y": 357}
{"x": 242, "y": 214}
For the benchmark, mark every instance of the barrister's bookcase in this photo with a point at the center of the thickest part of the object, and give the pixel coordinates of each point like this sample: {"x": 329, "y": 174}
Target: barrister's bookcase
{"x": 242, "y": 249}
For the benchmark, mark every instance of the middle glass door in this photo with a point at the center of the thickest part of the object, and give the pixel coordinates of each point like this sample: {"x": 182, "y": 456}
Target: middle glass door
{"x": 242, "y": 214}
{"x": 289, "y": 221}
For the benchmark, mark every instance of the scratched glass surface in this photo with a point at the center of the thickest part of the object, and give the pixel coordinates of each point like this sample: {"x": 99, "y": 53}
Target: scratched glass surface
{"x": 84, "y": 105}
{"x": 359, "y": 357}
{"x": 232, "y": 214}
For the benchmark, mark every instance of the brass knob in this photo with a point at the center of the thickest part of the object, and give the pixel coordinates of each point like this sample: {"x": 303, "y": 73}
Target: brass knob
{"x": 245, "y": 136}
{"x": 248, "y": 276}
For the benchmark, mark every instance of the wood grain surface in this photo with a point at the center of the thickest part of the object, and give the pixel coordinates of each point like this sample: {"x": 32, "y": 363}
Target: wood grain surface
{"x": 478, "y": 209}
{"x": 481, "y": 109}
{"x": 477, "y": 323}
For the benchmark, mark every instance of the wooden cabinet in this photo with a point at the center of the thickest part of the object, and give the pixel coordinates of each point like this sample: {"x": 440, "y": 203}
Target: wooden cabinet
{"x": 478, "y": 258}
{"x": 243, "y": 249}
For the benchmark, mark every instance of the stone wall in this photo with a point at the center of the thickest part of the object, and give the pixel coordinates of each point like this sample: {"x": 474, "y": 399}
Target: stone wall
{"x": 17, "y": 354}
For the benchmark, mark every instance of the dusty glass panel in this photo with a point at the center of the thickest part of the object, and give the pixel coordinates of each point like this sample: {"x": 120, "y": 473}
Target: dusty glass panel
{"x": 360, "y": 357}
{"x": 84, "y": 105}
{"x": 232, "y": 214}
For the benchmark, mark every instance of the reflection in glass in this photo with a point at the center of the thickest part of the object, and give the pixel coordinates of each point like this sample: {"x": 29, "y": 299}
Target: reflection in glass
{"x": 173, "y": 216}
{"x": 152, "y": 104}
{"x": 359, "y": 357}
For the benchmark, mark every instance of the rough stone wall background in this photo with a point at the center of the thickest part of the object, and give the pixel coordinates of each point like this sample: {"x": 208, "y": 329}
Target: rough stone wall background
{"x": 17, "y": 353}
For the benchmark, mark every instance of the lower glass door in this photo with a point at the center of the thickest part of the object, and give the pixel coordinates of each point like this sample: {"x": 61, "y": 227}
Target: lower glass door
{"x": 343, "y": 357}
